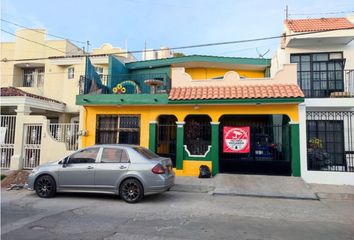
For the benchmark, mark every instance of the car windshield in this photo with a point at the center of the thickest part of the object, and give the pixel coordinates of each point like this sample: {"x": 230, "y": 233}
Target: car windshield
{"x": 146, "y": 153}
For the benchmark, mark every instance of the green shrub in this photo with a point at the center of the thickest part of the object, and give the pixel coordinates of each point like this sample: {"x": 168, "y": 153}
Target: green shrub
{"x": 3, "y": 176}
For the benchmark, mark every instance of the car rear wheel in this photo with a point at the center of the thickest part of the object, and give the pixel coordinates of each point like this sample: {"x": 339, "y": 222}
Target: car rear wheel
{"x": 45, "y": 186}
{"x": 131, "y": 191}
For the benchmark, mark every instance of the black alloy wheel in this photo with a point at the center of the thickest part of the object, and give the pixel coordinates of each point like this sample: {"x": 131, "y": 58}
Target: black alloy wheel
{"x": 45, "y": 186}
{"x": 131, "y": 191}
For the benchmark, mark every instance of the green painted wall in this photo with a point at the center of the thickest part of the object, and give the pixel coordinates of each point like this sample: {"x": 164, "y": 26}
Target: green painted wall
{"x": 121, "y": 99}
{"x": 165, "y": 70}
{"x": 198, "y": 58}
{"x": 152, "y": 136}
{"x": 115, "y": 67}
{"x": 215, "y": 148}
{"x": 179, "y": 146}
{"x": 295, "y": 150}
{"x": 187, "y": 157}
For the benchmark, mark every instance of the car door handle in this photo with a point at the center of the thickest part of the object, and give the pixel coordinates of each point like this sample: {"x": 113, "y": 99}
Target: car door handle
{"x": 122, "y": 167}
{"x": 89, "y": 167}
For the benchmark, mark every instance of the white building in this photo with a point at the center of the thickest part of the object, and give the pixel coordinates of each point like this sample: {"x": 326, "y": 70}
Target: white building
{"x": 151, "y": 54}
{"x": 324, "y": 51}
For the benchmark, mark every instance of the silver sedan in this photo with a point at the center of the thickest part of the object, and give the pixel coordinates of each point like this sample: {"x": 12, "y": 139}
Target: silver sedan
{"x": 128, "y": 170}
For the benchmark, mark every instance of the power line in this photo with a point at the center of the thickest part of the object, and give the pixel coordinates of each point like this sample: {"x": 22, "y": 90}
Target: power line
{"x": 324, "y": 13}
{"x": 185, "y": 47}
{"x": 33, "y": 41}
{"x": 35, "y": 30}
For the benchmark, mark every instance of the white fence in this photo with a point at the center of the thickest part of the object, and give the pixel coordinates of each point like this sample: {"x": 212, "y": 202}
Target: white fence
{"x": 7, "y": 139}
{"x": 32, "y": 145}
{"x": 67, "y": 133}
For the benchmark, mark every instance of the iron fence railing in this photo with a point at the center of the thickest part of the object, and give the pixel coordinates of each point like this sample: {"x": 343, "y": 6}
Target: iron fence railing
{"x": 7, "y": 139}
{"x": 32, "y": 146}
{"x": 126, "y": 84}
{"x": 330, "y": 141}
{"x": 343, "y": 86}
{"x": 67, "y": 133}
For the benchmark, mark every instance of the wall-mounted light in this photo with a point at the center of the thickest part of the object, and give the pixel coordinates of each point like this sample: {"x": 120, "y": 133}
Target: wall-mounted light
{"x": 82, "y": 133}
{"x": 196, "y": 107}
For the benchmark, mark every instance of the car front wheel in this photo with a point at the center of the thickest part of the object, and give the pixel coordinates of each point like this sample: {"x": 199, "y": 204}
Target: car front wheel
{"x": 131, "y": 191}
{"x": 45, "y": 186}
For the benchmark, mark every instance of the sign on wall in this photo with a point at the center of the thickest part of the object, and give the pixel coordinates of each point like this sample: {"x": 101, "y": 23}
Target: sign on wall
{"x": 236, "y": 139}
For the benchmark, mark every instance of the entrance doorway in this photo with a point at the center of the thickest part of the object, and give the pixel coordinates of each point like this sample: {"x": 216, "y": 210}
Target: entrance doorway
{"x": 166, "y": 137}
{"x": 269, "y": 145}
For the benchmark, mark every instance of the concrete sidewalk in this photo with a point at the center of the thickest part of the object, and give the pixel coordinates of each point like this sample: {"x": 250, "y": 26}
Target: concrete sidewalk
{"x": 263, "y": 186}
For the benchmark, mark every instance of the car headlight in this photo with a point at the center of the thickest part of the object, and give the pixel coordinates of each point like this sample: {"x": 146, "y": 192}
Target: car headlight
{"x": 35, "y": 170}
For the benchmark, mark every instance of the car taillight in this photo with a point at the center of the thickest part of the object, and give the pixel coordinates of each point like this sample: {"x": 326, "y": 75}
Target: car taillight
{"x": 158, "y": 169}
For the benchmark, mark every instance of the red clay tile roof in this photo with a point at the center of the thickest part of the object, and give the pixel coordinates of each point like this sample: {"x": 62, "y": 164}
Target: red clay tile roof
{"x": 236, "y": 92}
{"x": 318, "y": 24}
{"x": 15, "y": 92}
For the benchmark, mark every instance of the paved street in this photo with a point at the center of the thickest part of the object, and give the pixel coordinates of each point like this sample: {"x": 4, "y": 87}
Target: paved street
{"x": 173, "y": 215}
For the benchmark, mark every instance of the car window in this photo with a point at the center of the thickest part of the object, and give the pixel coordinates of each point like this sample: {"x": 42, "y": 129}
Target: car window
{"x": 114, "y": 155}
{"x": 146, "y": 153}
{"x": 125, "y": 157}
{"x": 84, "y": 156}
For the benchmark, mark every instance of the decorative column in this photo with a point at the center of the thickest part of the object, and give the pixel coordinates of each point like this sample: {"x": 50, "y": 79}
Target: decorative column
{"x": 215, "y": 147}
{"x": 152, "y": 135}
{"x": 295, "y": 149}
{"x": 179, "y": 145}
{"x": 16, "y": 161}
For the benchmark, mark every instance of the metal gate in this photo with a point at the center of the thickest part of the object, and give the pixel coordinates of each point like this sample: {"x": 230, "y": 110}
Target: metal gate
{"x": 269, "y": 147}
{"x": 32, "y": 145}
{"x": 7, "y": 139}
{"x": 166, "y": 141}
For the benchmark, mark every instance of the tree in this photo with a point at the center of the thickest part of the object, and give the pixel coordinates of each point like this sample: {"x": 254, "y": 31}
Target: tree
{"x": 178, "y": 54}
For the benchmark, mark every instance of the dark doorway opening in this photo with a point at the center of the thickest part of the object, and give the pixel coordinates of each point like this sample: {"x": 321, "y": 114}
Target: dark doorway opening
{"x": 166, "y": 137}
{"x": 269, "y": 140}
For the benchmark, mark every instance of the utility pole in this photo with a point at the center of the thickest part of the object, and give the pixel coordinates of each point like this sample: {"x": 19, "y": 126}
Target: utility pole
{"x": 286, "y": 12}
{"x": 87, "y": 46}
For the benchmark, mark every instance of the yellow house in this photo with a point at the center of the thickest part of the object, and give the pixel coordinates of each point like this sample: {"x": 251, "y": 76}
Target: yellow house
{"x": 222, "y": 112}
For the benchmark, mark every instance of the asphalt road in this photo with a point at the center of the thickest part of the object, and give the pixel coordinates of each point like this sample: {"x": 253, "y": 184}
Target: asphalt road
{"x": 172, "y": 215}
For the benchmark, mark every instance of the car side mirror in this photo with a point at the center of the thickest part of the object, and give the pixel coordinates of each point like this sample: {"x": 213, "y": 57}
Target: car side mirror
{"x": 65, "y": 162}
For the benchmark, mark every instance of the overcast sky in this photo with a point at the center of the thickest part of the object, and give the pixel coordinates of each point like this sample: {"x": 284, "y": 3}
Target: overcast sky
{"x": 167, "y": 22}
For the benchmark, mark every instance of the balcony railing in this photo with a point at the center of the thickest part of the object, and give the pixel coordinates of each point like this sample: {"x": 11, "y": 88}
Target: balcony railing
{"x": 127, "y": 84}
{"x": 332, "y": 89}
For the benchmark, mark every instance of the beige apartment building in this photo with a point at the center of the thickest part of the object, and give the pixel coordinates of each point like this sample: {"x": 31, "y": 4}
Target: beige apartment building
{"x": 40, "y": 79}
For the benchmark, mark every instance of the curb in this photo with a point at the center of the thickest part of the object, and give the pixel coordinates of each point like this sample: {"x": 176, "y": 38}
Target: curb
{"x": 335, "y": 196}
{"x": 267, "y": 196}
{"x": 192, "y": 188}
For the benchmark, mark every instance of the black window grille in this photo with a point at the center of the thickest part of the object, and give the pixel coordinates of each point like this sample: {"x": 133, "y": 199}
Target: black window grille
{"x": 124, "y": 129}
{"x": 330, "y": 137}
{"x": 319, "y": 74}
{"x": 197, "y": 134}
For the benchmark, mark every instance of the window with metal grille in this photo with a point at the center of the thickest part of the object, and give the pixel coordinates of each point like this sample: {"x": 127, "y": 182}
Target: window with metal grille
{"x": 330, "y": 141}
{"x": 197, "y": 134}
{"x": 319, "y": 74}
{"x": 124, "y": 129}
